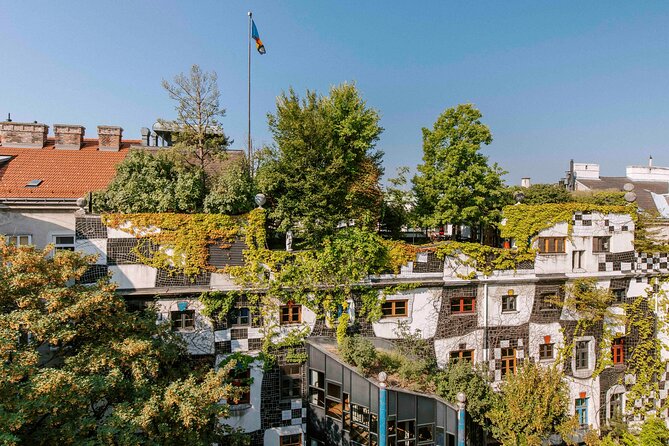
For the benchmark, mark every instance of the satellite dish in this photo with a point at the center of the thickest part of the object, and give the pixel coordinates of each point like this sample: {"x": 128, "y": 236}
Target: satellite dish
{"x": 630, "y": 197}
{"x": 628, "y": 187}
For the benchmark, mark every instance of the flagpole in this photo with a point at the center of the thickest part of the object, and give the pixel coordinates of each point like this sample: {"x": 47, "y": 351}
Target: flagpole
{"x": 250, "y": 150}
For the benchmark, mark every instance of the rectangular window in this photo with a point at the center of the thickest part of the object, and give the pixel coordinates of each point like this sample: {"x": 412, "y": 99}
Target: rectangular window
{"x": 291, "y": 440}
{"x": 241, "y": 316}
{"x": 63, "y": 242}
{"x": 242, "y": 379}
{"x": 183, "y": 320}
{"x": 395, "y": 308}
{"x": 551, "y": 245}
{"x": 406, "y": 433}
{"x": 333, "y": 404}
{"x": 460, "y": 305}
{"x": 546, "y": 351}
{"x": 462, "y": 355}
{"x": 618, "y": 351}
{"x": 508, "y": 361}
{"x": 291, "y": 381}
{"x": 601, "y": 244}
{"x": 360, "y": 414}
{"x": 19, "y": 240}
{"x": 616, "y": 406}
{"x": 426, "y": 433}
{"x": 581, "y": 355}
{"x": 577, "y": 260}
{"x": 619, "y": 295}
{"x": 508, "y": 303}
{"x": 581, "y": 410}
{"x": 291, "y": 314}
{"x": 548, "y": 302}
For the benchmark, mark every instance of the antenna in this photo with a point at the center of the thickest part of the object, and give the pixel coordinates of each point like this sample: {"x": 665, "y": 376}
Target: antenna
{"x": 9, "y": 117}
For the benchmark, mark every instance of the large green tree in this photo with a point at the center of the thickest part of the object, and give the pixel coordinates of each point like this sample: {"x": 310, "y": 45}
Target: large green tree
{"x": 77, "y": 368}
{"x": 455, "y": 183}
{"x": 323, "y": 168}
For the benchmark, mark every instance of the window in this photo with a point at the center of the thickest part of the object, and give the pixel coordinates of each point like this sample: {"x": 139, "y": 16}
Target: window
{"x": 601, "y": 244}
{"x": 333, "y": 404}
{"x": 317, "y": 388}
{"x": 508, "y": 361}
{"x": 581, "y": 410}
{"x": 460, "y": 305}
{"x": 581, "y": 355}
{"x": 291, "y": 314}
{"x": 462, "y": 355}
{"x": 425, "y": 433}
{"x": 406, "y": 433}
{"x": 618, "y": 351}
{"x": 19, "y": 240}
{"x": 63, "y": 242}
{"x": 549, "y": 302}
{"x": 183, "y": 320}
{"x": 545, "y": 351}
{"x": 508, "y": 303}
{"x": 619, "y": 294}
{"x": 551, "y": 245}
{"x": 242, "y": 379}
{"x": 615, "y": 406}
{"x": 241, "y": 316}
{"x": 291, "y": 440}
{"x": 291, "y": 381}
{"x": 395, "y": 308}
{"x": 577, "y": 260}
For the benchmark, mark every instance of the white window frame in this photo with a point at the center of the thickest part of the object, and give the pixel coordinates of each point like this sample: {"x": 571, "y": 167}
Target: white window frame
{"x": 17, "y": 237}
{"x": 62, "y": 246}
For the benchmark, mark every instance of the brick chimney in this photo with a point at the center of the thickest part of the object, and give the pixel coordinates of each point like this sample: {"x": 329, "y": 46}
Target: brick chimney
{"x": 69, "y": 137}
{"x": 22, "y": 135}
{"x": 110, "y": 137}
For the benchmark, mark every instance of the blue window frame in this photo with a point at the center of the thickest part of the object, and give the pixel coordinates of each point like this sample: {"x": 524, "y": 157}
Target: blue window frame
{"x": 581, "y": 410}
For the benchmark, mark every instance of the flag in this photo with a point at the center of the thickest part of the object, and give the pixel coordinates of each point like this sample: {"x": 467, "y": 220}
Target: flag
{"x": 255, "y": 36}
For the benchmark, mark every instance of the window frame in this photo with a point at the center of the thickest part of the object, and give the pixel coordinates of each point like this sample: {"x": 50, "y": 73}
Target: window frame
{"x": 461, "y": 355}
{"x": 392, "y": 307}
{"x": 287, "y": 317}
{"x": 290, "y": 440}
{"x": 459, "y": 305}
{"x": 509, "y": 298}
{"x": 618, "y": 351}
{"x": 581, "y": 411}
{"x": 241, "y": 378}
{"x": 290, "y": 381}
{"x": 237, "y": 317}
{"x": 62, "y": 246}
{"x": 543, "y": 348}
{"x": 601, "y": 244}
{"x": 17, "y": 238}
{"x": 183, "y": 323}
{"x": 581, "y": 355}
{"x": 552, "y": 245}
{"x": 577, "y": 254}
{"x": 508, "y": 361}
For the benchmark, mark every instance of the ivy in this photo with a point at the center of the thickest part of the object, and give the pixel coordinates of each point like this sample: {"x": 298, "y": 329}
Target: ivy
{"x": 217, "y": 303}
{"x": 483, "y": 258}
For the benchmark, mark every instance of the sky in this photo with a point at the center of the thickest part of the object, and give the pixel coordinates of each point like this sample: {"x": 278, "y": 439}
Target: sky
{"x": 554, "y": 80}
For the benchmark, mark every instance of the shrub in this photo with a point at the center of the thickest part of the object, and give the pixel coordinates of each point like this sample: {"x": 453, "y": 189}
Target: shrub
{"x": 359, "y": 352}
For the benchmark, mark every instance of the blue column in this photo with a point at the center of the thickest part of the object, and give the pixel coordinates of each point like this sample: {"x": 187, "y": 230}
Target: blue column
{"x": 461, "y": 418}
{"x": 383, "y": 411}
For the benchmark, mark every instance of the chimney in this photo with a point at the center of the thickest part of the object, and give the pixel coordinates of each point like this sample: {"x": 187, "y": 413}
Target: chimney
{"x": 110, "y": 137}
{"x": 525, "y": 182}
{"x": 650, "y": 161}
{"x": 22, "y": 135}
{"x": 69, "y": 137}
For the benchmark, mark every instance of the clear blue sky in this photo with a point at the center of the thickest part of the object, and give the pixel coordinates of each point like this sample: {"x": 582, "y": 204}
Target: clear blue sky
{"x": 554, "y": 80}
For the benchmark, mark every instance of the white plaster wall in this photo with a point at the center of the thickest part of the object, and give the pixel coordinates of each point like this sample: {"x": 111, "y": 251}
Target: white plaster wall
{"x": 117, "y": 233}
{"x": 423, "y": 310}
{"x": 537, "y": 333}
{"x": 524, "y": 302}
{"x": 133, "y": 276}
{"x": 199, "y": 340}
{"x": 42, "y": 226}
{"x": 591, "y": 389}
{"x": 273, "y": 435}
{"x": 221, "y": 281}
{"x": 249, "y": 418}
{"x": 473, "y": 340}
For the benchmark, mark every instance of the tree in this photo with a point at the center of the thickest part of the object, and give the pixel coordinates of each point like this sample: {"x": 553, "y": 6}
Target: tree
{"x": 531, "y": 406}
{"x": 77, "y": 368}
{"x": 147, "y": 182}
{"x": 199, "y": 136}
{"x": 233, "y": 189}
{"x": 397, "y": 204}
{"x": 455, "y": 184}
{"x": 543, "y": 193}
{"x": 323, "y": 169}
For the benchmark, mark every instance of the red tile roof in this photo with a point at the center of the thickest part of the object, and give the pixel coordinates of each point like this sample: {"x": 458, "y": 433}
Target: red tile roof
{"x": 64, "y": 173}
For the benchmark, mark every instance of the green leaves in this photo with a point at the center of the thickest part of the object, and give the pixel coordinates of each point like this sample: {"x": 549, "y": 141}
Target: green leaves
{"x": 455, "y": 184}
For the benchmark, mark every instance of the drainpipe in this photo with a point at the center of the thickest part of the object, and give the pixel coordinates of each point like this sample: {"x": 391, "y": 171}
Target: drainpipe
{"x": 486, "y": 354}
{"x": 461, "y": 418}
{"x": 383, "y": 412}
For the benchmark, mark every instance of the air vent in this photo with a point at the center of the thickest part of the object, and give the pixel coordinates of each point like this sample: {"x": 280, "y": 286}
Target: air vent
{"x": 34, "y": 183}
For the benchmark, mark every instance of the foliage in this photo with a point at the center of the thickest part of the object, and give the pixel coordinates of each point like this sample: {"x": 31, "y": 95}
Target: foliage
{"x": 323, "y": 169}
{"x": 200, "y": 139}
{"x": 233, "y": 189}
{"x": 77, "y": 368}
{"x": 601, "y": 198}
{"x": 217, "y": 303}
{"x": 455, "y": 184}
{"x": 483, "y": 258}
{"x": 653, "y": 432}
{"x": 398, "y": 201}
{"x": 177, "y": 241}
{"x": 358, "y": 351}
{"x": 462, "y": 376}
{"x": 542, "y": 194}
{"x": 147, "y": 182}
{"x": 589, "y": 301}
{"x": 532, "y": 405}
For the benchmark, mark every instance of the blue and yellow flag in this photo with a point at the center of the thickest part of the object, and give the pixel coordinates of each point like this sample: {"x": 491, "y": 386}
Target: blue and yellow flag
{"x": 255, "y": 36}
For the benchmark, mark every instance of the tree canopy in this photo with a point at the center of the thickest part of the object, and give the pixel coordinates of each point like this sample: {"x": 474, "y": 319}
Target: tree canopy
{"x": 455, "y": 183}
{"x": 323, "y": 168}
{"x": 77, "y": 368}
